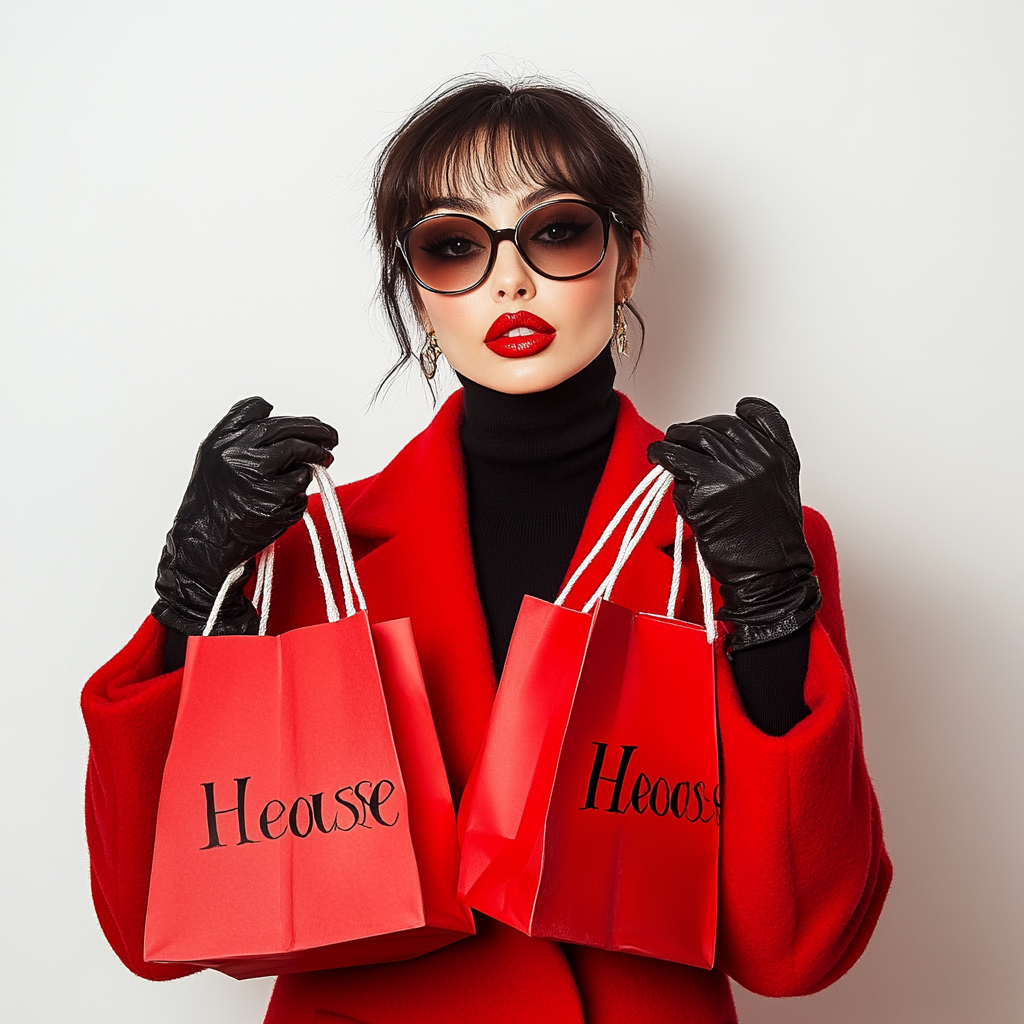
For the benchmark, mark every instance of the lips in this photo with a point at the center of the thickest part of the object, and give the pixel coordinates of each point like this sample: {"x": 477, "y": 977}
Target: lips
{"x": 514, "y": 335}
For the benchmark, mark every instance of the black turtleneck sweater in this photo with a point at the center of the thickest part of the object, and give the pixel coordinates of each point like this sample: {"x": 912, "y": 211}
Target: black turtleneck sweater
{"x": 533, "y": 463}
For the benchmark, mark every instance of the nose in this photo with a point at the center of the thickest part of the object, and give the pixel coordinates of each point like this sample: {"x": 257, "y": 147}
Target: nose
{"x": 511, "y": 278}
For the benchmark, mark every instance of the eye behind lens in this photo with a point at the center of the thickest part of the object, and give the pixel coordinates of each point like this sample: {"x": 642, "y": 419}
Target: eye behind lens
{"x": 448, "y": 253}
{"x": 450, "y": 247}
{"x": 564, "y": 239}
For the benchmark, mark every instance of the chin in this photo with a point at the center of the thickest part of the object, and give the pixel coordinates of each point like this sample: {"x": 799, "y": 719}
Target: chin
{"x": 524, "y": 380}
{"x": 524, "y": 376}
{"x": 527, "y": 384}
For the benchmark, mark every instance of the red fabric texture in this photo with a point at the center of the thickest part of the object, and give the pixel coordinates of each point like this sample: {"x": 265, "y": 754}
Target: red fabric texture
{"x": 804, "y": 871}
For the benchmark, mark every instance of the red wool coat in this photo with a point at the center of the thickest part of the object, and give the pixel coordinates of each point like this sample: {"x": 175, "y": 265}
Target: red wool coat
{"x": 804, "y": 872}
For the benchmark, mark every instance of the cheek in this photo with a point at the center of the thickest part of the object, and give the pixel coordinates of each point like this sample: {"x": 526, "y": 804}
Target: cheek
{"x": 456, "y": 314}
{"x": 585, "y": 305}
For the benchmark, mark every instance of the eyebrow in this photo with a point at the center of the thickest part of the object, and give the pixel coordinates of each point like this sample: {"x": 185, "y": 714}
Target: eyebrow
{"x": 463, "y": 205}
{"x": 453, "y": 203}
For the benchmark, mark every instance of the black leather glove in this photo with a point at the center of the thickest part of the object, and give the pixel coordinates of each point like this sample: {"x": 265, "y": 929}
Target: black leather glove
{"x": 248, "y": 486}
{"x": 737, "y": 485}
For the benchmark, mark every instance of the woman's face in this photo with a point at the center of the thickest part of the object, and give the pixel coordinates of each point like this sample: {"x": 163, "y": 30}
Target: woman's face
{"x": 471, "y": 330}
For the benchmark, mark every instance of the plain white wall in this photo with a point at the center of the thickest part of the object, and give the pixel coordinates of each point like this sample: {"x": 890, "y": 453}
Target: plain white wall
{"x": 183, "y": 190}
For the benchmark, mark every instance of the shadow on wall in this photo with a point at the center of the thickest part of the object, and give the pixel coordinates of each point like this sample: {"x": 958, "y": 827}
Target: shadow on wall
{"x": 939, "y": 735}
{"x": 679, "y": 293}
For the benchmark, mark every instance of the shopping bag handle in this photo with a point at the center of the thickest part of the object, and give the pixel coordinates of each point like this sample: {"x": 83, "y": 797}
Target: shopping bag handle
{"x": 706, "y": 597}
{"x": 640, "y": 489}
{"x": 650, "y": 492}
{"x": 351, "y": 590}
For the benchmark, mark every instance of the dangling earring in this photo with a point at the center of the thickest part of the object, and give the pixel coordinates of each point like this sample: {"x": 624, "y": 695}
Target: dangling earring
{"x": 621, "y": 341}
{"x": 429, "y": 355}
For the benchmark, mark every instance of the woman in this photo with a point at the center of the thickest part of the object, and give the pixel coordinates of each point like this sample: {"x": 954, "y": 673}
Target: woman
{"x": 501, "y": 496}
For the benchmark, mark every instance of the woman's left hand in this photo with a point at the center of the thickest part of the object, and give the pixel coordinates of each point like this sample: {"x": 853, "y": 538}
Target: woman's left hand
{"x": 737, "y": 485}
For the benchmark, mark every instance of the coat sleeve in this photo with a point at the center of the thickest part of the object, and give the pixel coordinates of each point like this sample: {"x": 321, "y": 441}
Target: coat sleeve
{"x": 804, "y": 871}
{"x": 129, "y": 710}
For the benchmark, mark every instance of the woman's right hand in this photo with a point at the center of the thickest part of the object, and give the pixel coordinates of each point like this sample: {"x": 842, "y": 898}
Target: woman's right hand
{"x": 248, "y": 487}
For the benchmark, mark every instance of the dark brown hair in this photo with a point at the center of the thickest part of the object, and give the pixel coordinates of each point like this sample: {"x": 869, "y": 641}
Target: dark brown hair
{"x": 480, "y": 133}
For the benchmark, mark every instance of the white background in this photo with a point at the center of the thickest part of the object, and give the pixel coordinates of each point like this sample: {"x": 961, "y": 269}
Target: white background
{"x": 183, "y": 192}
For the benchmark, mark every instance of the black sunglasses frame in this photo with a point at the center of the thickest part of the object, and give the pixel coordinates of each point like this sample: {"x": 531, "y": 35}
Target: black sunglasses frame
{"x": 606, "y": 213}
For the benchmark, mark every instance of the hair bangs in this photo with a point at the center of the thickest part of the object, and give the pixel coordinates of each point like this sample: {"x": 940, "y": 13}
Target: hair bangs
{"x": 503, "y": 156}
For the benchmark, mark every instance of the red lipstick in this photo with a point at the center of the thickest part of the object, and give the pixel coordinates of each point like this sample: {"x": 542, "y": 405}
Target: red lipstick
{"x": 514, "y": 335}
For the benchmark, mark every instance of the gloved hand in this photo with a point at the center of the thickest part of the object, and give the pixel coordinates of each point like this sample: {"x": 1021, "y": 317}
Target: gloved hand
{"x": 248, "y": 486}
{"x": 737, "y": 485}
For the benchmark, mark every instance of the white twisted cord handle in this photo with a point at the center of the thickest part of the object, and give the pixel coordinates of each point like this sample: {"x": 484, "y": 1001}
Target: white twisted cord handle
{"x": 336, "y": 522}
{"x": 265, "y": 565}
{"x": 264, "y": 580}
{"x": 650, "y": 491}
{"x": 634, "y": 532}
{"x": 706, "y": 598}
{"x": 333, "y": 614}
{"x": 608, "y": 531}
{"x": 232, "y": 578}
{"x": 677, "y": 569}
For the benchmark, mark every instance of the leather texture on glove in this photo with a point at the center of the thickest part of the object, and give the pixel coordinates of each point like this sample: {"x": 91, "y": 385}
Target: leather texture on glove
{"x": 737, "y": 485}
{"x": 248, "y": 487}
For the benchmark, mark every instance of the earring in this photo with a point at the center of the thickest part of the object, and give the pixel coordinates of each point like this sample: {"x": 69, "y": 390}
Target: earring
{"x": 621, "y": 341}
{"x": 429, "y": 355}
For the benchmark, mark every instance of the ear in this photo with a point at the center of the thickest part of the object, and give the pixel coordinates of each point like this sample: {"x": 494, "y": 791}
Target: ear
{"x": 629, "y": 269}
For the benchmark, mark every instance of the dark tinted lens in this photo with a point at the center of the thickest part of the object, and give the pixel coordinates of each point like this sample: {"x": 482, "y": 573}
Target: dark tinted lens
{"x": 563, "y": 239}
{"x": 449, "y": 253}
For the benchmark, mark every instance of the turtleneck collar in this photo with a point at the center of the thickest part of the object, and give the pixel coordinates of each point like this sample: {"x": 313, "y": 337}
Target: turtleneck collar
{"x": 544, "y": 424}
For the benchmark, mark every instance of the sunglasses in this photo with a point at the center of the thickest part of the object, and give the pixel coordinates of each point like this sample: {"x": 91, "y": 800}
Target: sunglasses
{"x": 451, "y": 253}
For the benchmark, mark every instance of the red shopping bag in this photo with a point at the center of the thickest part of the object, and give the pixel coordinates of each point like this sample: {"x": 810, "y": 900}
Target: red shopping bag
{"x": 592, "y": 813}
{"x": 305, "y": 820}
